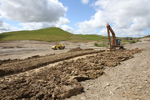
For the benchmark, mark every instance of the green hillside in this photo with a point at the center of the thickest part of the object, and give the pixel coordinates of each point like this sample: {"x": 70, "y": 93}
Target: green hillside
{"x": 148, "y": 36}
{"x": 48, "y": 34}
{"x": 93, "y": 37}
{"x": 54, "y": 34}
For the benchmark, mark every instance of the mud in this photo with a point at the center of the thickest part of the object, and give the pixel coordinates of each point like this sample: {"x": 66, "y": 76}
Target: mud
{"x": 60, "y": 81}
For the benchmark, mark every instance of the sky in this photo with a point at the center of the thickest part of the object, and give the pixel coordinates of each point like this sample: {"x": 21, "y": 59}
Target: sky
{"x": 128, "y": 18}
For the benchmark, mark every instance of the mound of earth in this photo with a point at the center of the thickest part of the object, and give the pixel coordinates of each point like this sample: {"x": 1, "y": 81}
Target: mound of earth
{"x": 63, "y": 80}
{"x": 75, "y": 49}
{"x": 9, "y": 66}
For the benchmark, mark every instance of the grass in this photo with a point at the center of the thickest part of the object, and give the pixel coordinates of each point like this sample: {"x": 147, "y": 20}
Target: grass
{"x": 100, "y": 45}
{"x": 48, "y": 34}
{"x": 123, "y": 42}
{"x": 148, "y": 36}
{"x": 93, "y": 37}
{"x": 56, "y": 34}
{"x": 134, "y": 40}
{"x": 126, "y": 40}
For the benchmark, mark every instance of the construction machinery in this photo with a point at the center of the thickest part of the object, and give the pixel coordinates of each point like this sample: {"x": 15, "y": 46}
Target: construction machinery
{"x": 114, "y": 43}
{"x": 58, "y": 46}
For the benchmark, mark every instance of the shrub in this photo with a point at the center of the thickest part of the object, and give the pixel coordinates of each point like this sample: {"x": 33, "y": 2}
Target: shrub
{"x": 100, "y": 45}
{"x": 133, "y": 41}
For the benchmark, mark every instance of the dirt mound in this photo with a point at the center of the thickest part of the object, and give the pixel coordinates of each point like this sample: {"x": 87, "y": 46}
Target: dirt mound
{"x": 8, "y": 67}
{"x": 75, "y": 49}
{"x": 7, "y": 61}
{"x": 79, "y": 49}
{"x": 62, "y": 80}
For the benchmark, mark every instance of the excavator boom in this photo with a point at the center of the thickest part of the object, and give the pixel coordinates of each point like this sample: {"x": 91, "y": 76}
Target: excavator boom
{"x": 115, "y": 42}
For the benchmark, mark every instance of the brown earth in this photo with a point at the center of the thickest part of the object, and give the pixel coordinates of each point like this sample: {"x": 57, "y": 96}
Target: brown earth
{"x": 27, "y": 48}
{"x": 9, "y": 66}
{"x": 128, "y": 81}
{"x": 60, "y": 81}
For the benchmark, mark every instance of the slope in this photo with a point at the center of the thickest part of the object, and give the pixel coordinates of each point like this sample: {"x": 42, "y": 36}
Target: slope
{"x": 47, "y": 34}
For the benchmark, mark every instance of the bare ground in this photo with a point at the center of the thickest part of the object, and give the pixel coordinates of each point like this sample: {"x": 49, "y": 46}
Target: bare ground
{"x": 27, "y": 48}
{"x": 128, "y": 81}
{"x": 9, "y": 66}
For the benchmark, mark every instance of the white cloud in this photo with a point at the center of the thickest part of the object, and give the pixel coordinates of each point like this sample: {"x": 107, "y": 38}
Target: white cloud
{"x": 127, "y": 17}
{"x": 89, "y": 27}
{"x": 1, "y": 21}
{"x": 34, "y": 14}
{"x": 62, "y": 21}
{"x": 67, "y": 28}
{"x": 32, "y": 10}
{"x": 85, "y": 1}
{"x": 34, "y": 25}
{"x": 4, "y": 27}
{"x": 85, "y": 28}
{"x": 40, "y": 25}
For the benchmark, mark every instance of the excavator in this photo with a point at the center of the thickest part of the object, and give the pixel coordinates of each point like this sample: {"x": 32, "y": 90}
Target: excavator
{"x": 114, "y": 43}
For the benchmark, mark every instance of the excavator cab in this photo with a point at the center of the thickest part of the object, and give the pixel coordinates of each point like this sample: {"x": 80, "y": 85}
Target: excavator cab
{"x": 118, "y": 41}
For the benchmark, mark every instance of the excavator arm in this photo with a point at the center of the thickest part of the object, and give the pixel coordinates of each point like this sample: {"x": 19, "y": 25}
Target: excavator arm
{"x": 112, "y": 43}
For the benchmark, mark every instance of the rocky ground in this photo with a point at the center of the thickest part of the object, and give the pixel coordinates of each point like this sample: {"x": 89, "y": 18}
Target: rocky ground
{"x": 128, "y": 81}
{"x": 88, "y": 74}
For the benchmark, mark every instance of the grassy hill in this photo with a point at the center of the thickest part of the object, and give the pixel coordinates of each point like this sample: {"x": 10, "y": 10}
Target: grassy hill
{"x": 148, "y": 36}
{"x": 47, "y": 34}
{"x": 94, "y": 37}
{"x": 57, "y": 34}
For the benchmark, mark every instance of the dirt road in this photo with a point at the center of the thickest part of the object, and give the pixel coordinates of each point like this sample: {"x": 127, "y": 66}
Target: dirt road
{"x": 27, "y": 48}
{"x": 128, "y": 81}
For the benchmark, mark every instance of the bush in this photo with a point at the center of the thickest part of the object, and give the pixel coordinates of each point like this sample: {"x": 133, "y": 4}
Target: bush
{"x": 96, "y": 44}
{"x": 132, "y": 41}
{"x": 100, "y": 45}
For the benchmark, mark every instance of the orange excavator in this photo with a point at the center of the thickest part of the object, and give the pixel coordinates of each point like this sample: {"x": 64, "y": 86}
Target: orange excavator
{"x": 114, "y": 43}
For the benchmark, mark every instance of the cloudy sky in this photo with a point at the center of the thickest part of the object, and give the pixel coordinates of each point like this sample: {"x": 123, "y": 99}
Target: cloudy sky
{"x": 127, "y": 17}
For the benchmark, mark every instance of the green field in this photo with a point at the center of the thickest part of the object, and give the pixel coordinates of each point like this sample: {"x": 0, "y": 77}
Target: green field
{"x": 47, "y": 34}
{"x": 94, "y": 37}
{"x": 54, "y": 34}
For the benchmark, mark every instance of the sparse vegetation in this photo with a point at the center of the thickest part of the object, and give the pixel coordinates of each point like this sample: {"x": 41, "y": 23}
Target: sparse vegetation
{"x": 133, "y": 41}
{"x": 129, "y": 40}
{"x": 148, "y": 40}
{"x": 94, "y": 37}
{"x": 100, "y": 45}
{"x": 148, "y": 36}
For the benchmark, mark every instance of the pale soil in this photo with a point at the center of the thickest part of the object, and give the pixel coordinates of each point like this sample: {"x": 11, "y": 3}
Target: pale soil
{"x": 128, "y": 81}
{"x": 57, "y": 82}
{"x": 27, "y": 48}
